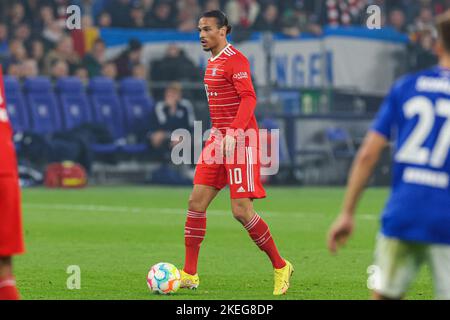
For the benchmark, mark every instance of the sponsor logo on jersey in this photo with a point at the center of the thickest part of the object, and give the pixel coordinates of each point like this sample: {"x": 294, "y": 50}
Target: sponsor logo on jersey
{"x": 241, "y": 189}
{"x": 240, "y": 75}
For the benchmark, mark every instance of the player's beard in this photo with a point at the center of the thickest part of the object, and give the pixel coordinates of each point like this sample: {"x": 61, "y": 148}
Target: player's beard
{"x": 206, "y": 49}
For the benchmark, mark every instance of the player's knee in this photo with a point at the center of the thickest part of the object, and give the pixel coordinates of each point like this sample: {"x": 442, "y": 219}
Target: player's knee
{"x": 242, "y": 213}
{"x": 196, "y": 204}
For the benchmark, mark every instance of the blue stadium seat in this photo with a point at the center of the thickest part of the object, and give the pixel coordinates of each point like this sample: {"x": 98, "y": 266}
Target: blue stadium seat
{"x": 74, "y": 103}
{"x": 106, "y": 105}
{"x": 15, "y": 104}
{"x": 340, "y": 143}
{"x": 45, "y": 116}
{"x": 106, "y": 111}
{"x": 137, "y": 107}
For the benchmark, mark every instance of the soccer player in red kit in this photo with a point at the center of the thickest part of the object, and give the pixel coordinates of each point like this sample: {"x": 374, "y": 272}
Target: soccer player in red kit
{"x": 11, "y": 239}
{"x": 232, "y": 101}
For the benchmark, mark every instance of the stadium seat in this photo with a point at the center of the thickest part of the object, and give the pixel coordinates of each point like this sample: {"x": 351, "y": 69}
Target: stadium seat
{"x": 45, "y": 115}
{"x": 312, "y": 157}
{"x": 137, "y": 106}
{"x": 341, "y": 151}
{"x": 340, "y": 143}
{"x": 107, "y": 111}
{"x": 17, "y": 110}
{"x": 74, "y": 103}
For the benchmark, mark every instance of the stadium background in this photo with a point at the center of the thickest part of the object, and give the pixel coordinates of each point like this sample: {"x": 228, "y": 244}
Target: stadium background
{"x": 320, "y": 76}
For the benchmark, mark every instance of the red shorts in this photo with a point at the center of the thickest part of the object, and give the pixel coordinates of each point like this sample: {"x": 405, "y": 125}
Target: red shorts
{"x": 11, "y": 236}
{"x": 242, "y": 174}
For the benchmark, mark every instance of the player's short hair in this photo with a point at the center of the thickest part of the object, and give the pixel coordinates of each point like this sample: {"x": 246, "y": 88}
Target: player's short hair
{"x": 222, "y": 20}
{"x": 443, "y": 28}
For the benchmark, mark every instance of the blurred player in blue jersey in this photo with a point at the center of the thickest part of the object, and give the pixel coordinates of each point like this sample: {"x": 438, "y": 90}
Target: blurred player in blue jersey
{"x": 415, "y": 226}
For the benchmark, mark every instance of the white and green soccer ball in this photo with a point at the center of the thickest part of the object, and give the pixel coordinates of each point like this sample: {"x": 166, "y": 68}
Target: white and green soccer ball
{"x": 163, "y": 278}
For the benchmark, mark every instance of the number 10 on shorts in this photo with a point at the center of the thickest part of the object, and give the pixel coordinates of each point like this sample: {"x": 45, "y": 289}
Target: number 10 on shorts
{"x": 235, "y": 176}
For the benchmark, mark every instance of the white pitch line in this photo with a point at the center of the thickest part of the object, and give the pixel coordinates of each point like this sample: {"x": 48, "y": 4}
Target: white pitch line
{"x": 123, "y": 209}
{"x": 177, "y": 211}
{"x": 103, "y": 208}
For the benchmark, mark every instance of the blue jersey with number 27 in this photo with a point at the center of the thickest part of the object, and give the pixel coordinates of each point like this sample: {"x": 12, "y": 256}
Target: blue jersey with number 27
{"x": 416, "y": 115}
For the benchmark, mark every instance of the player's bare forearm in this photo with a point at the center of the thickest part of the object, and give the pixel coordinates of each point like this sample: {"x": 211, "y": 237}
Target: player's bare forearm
{"x": 362, "y": 169}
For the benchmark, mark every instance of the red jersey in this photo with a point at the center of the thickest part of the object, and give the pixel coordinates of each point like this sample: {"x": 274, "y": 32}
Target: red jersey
{"x": 232, "y": 102}
{"x": 7, "y": 151}
{"x": 229, "y": 88}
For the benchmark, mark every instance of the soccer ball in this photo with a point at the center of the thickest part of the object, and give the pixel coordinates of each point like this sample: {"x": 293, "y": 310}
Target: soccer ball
{"x": 163, "y": 278}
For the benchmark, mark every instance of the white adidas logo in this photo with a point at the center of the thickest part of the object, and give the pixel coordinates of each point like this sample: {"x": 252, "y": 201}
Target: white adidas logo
{"x": 241, "y": 189}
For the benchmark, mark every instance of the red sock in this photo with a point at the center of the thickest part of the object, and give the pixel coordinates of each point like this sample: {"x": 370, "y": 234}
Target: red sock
{"x": 260, "y": 233}
{"x": 8, "y": 290}
{"x": 194, "y": 233}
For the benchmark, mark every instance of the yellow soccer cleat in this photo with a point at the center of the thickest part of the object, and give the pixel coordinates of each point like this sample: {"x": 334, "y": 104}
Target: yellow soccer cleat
{"x": 189, "y": 281}
{"x": 281, "y": 279}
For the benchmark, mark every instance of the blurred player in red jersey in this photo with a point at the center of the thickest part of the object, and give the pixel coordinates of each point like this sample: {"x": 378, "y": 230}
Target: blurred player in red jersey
{"x": 231, "y": 154}
{"x": 11, "y": 239}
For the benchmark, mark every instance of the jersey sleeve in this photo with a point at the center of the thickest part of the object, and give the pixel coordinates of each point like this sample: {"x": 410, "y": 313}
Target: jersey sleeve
{"x": 8, "y": 163}
{"x": 385, "y": 118}
{"x": 4, "y": 120}
{"x": 3, "y": 116}
{"x": 238, "y": 73}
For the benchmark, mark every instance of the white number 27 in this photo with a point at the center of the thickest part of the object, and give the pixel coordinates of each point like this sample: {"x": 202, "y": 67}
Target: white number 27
{"x": 412, "y": 151}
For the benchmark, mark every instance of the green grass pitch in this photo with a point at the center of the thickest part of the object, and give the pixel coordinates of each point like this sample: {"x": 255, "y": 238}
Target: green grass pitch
{"x": 114, "y": 234}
